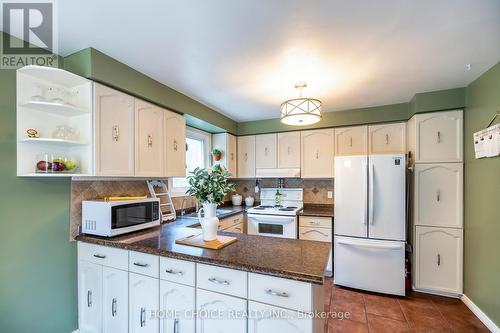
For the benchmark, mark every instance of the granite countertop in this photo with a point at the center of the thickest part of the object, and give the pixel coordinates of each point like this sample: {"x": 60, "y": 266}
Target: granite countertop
{"x": 317, "y": 210}
{"x": 295, "y": 259}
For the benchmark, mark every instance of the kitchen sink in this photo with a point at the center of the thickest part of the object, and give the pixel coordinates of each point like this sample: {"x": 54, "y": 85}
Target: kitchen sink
{"x": 218, "y": 213}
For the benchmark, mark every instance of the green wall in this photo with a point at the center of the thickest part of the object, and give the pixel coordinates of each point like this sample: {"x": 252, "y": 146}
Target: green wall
{"x": 482, "y": 200}
{"x": 99, "y": 67}
{"x": 37, "y": 261}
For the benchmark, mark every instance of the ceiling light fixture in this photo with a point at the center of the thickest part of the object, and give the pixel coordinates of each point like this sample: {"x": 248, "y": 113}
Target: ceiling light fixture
{"x": 301, "y": 111}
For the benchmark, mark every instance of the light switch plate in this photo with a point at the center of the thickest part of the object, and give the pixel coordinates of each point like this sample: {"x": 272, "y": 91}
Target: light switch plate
{"x": 329, "y": 194}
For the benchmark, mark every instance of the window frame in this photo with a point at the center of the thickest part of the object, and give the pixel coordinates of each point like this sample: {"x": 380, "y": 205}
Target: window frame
{"x": 196, "y": 134}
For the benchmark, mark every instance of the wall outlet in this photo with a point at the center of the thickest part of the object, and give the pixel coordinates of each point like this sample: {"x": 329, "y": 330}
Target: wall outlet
{"x": 329, "y": 194}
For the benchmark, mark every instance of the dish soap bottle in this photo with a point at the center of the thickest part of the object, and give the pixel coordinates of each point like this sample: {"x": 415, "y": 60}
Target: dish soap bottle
{"x": 277, "y": 197}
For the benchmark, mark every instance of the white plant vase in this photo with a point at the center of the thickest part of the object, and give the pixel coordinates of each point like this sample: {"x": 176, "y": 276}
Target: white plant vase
{"x": 209, "y": 222}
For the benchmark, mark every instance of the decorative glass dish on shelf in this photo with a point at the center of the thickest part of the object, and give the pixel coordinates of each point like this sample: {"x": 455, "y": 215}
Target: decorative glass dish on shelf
{"x": 55, "y": 163}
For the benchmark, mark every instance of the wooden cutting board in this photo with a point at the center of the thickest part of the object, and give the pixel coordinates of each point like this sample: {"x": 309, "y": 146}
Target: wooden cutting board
{"x": 197, "y": 240}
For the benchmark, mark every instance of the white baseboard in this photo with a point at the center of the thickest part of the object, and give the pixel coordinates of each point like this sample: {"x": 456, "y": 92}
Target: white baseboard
{"x": 76, "y": 331}
{"x": 480, "y": 314}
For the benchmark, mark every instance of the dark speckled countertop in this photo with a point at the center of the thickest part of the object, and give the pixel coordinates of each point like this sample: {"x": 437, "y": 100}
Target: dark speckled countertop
{"x": 287, "y": 258}
{"x": 317, "y": 210}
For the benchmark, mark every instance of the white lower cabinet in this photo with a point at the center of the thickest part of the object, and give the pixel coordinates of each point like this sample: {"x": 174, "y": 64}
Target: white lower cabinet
{"x": 438, "y": 259}
{"x": 143, "y": 301}
{"x": 269, "y": 319}
{"x": 218, "y": 313}
{"x": 177, "y": 306}
{"x": 115, "y": 300}
{"x": 89, "y": 297}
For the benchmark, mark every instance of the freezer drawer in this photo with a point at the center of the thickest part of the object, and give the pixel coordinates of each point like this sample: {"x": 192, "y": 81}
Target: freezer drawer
{"x": 368, "y": 264}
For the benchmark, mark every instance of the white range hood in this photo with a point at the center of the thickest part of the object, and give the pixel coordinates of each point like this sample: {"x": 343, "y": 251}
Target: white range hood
{"x": 278, "y": 173}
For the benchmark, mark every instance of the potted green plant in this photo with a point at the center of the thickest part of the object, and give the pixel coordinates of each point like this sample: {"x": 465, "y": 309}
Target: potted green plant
{"x": 209, "y": 187}
{"x": 217, "y": 154}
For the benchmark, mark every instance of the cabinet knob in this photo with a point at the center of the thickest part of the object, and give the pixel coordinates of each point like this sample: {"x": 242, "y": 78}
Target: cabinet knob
{"x": 116, "y": 133}
{"x": 150, "y": 140}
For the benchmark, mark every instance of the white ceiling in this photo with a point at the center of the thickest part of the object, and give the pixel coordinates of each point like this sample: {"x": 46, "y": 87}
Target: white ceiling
{"x": 243, "y": 57}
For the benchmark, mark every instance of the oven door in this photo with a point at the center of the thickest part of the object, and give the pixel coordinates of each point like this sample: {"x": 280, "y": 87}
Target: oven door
{"x": 272, "y": 225}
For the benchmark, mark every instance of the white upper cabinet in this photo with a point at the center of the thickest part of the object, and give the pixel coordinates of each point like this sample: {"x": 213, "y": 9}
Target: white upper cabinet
{"x": 317, "y": 153}
{"x": 351, "y": 141}
{"x": 149, "y": 140}
{"x": 226, "y": 143}
{"x": 439, "y": 258}
{"x": 387, "y": 139}
{"x": 246, "y": 156}
{"x": 114, "y": 132}
{"x": 265, "y": 151}
{"x": 438, "y": 195}
{"x": 436, "y": 137}
{"x": 289, "y": 150}
{"x": 175, "y": 144}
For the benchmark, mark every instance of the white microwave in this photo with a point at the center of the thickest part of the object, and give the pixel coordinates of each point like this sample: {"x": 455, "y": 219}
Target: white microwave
{"x": 112, "y": 218}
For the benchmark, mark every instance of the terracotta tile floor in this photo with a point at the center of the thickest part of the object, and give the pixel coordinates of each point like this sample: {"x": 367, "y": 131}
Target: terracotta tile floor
{"x": 417, "y": 312}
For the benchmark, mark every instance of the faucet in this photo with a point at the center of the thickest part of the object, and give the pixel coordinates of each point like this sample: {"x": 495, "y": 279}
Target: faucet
{"x": 183, "y": 211}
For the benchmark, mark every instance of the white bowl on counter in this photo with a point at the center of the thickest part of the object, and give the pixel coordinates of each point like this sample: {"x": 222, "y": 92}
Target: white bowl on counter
{"x": 236, "y": 200}
{"x": 249, "y": 201}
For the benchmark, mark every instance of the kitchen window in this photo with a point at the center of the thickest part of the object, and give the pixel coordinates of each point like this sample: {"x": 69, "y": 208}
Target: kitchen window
{"x": 198, "y": 145}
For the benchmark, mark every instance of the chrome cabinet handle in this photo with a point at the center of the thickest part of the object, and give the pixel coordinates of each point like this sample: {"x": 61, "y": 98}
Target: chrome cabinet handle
{"x": 113, "y": 307}
{"x": 214, "y": 280}
{"x": 438, "y": 137}
{"x": 277, "y": 293}
{"x": 176, "y": 325}
{"x": 140, "y": 264}
{"x": 171, "y": 271}
{"x": 150, "y": 140}
{"x": 438, "y": 195}
{"x": 143, "y": 317}
{"x": 100, "y": 256}
{"x": 288, "y": 150}
{"x": 232, "y": 156}
{"x": 116, "y": 133}
{"x": 439, "y": 259}
{"x": 265, "y": 151}
{"x": 89, "y": 298}
{"x": 317, "y": 154}
{"x": 350, "y": 141}
{"x": 387, "y": 139}
{"x": 175, "y": 145}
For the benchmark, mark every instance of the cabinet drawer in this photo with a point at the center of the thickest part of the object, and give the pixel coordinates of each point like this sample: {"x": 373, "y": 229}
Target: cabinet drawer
{"x": 315, "y": 234}
{"x": 237, "y": 228}
{"x": 318, "y": 222}
{"x": 145, "y": 264}
{"x": 176, "y": 270}
{"x": 230, "y": 221}
{"x": 285, "y": 293}
{"x": 222, "y": 280}
{"x": 103, "y": 255}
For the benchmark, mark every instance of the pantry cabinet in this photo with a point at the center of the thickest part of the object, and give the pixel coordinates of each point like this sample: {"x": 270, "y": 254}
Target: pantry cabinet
{"x": 351, "y": 141}
{"x": 113, "y": 132}
{"x": 289, "y": 150}
{"x": 211, "y": 302}
{"x": 317, "y": 153}
{"x": 438, "y": 193}
{"x": 436, "y": 137}
{"x": 265, "y": 151}
{"x": 177, "y": 303}
{"x": 439, "y": 259}
{"x": 115, "y": 300}
{"x": 387, "y": 139}
{"x": 175, "y": 145}
{"x": 89, "y": 297}
{"x": 226, "y": 143}
{"x": 246, "y": 156}
{"x": 149, "y": 139}
{"x": 143, "y": 295}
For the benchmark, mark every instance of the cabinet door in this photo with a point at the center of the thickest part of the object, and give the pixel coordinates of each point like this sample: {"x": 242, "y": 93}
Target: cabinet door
{"x": 439, "y": 259}
{"x": 208, "y": 302}
{"x": 439, "y": 137}
{"x": 143, "y": 298}
{"x": 114, "y": 132}
{"x": 351, "y": 141}
{"x": 246, "y": 156}
{"x": 89, "y": 297}
{"x": 265, "y": 151}
{"x": 289, "y": 150}
{"x": 387, "y": 139}
{"x": 275, "y": 319}
{"x": 149, "y": 140}
{"x": 439, "y": 195}
{"x": 177, "y": 303}
{"x": 175, "y": 145}
{"x": 115, "y": 300}
{"x": 231, "y": 155}
{"x": 317, "y": 154}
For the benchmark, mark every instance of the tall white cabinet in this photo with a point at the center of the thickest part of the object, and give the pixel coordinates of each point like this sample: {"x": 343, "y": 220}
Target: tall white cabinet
{"x": 435, "y": 144}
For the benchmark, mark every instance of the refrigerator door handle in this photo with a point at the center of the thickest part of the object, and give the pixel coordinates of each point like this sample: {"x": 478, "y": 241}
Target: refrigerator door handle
{"x": 365, "y": 193}
{"x": 371, "y": 198}
{"x": 371, "y": 246}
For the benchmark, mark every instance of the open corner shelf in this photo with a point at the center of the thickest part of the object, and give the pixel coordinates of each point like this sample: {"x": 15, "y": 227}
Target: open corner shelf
{"x": 55, "y": 108}
{"x": 36, "y": 174}
{"x": 54, "y": 75}
{"x": 54, "y": 141}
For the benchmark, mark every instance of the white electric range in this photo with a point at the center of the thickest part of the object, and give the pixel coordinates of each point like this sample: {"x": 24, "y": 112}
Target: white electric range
{"x": 273, "y": 220}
